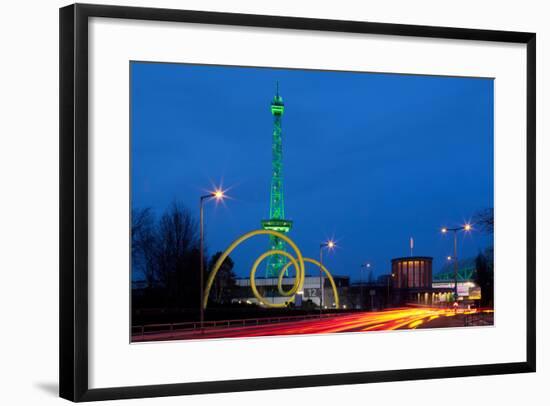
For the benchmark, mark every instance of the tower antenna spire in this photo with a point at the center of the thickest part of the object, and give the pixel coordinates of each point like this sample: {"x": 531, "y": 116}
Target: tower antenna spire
{"x": 276, "y": 220}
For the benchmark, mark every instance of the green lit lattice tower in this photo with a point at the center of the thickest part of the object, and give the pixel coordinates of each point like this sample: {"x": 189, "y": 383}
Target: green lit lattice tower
{"x": 276, "y": 220}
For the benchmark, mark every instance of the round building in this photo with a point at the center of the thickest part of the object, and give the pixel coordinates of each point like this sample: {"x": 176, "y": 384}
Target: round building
{"x": 411, "y": 272}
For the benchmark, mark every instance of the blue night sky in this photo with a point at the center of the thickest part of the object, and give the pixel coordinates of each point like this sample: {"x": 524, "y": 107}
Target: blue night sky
{"x": 369, "y": 159}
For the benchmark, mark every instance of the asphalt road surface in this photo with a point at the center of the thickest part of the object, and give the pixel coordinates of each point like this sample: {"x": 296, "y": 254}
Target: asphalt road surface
{"x": 393, "y": 319}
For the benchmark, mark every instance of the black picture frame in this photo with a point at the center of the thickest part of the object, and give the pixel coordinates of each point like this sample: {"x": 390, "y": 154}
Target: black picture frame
{"x": 73, "y": 332}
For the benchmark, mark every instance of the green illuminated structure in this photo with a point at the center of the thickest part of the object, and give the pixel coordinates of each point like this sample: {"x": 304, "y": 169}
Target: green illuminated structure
{"x": 466, "y": 272}
{"x": 276, "y": 221}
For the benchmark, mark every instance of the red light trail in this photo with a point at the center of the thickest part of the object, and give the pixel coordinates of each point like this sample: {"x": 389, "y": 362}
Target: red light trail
{"x": 393, "y": 319}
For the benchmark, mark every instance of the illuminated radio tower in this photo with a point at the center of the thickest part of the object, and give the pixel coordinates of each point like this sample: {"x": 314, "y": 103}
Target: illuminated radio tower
{"x": 276, "y": 220}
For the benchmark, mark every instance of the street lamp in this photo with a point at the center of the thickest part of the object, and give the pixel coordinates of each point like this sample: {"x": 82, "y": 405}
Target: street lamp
{"x": 390, "y": 278}
{"x": 367, "y": 266}
{"x": 466, "y": 227}
{"x": 217, "y": 195}
{"x": 329, "y": 245}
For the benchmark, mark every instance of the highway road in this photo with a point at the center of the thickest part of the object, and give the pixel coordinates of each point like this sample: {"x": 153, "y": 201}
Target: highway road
{"x": 392, "y": 319}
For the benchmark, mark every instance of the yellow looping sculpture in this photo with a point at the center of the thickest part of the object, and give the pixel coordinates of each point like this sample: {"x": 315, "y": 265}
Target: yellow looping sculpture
{"x": 297, "y": 279}
{"x": 329, "y": 276}
{"x": 292, "y": 291}
{"x": 280, "y": 281}
{"x": 297, "y": 262}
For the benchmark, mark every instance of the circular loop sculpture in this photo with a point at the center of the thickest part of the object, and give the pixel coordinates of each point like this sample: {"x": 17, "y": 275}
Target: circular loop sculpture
{"x": 330, "y": 278}
{"x": 297, "y": 279}
{"x": 297, "y": 262}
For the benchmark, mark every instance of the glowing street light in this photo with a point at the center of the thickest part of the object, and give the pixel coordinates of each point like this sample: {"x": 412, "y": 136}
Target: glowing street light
{"x": 330, "y": 244}
{"x": 218, "y": 195}
{"x": 390, "y": 278}
{"x": 466, "y": 227}
{"x": 367, "y": 266}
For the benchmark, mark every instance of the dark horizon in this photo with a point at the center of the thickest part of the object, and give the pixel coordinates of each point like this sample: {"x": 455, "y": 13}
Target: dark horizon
{"x": 369, "y": 159}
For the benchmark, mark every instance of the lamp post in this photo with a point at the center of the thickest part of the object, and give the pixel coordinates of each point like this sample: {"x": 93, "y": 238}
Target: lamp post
{"x": 455, "y": 230}
{"x": 390, "y": 277}
{"x": 367, "y": 266}
{"x": 330, "y": 245}
{"x": 218, "y": 195}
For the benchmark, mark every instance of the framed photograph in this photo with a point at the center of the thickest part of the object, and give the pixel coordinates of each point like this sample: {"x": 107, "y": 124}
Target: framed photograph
{"x": 258, "y": 202}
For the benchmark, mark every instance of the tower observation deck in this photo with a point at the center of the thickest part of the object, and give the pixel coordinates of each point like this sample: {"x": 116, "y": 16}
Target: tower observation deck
{"x": 276, "y": 221}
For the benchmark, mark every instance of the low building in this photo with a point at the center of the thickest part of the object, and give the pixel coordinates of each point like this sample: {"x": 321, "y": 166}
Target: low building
{"x": 412, "y": 282}
{"x": 314, "y": 289}
{"x": 372, "y": 295}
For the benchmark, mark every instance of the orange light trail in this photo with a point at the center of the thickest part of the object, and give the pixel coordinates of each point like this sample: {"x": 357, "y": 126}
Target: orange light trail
{"x": 391, "y": 319}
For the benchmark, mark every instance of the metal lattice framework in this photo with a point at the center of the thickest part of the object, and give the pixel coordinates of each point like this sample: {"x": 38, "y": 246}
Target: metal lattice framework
{"x": 277, "y": 221}
{"x": 463, "y": 275}
{"x": 466, "y": 272}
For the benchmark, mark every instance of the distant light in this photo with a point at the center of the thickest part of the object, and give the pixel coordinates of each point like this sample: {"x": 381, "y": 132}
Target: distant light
{"x": 344, "y": 306}
{"x": 368, "y": 265}
{"x": 449, "y": 258}
{"x": 444, "y": 230}
{"x": 467, "y": 227}
{"x": 331, "y": 244}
